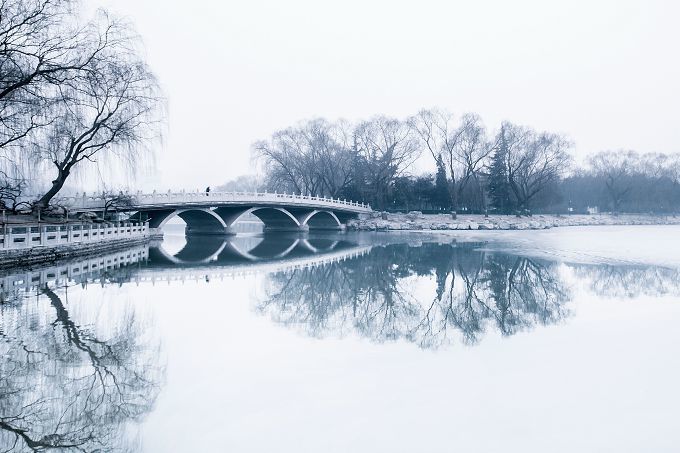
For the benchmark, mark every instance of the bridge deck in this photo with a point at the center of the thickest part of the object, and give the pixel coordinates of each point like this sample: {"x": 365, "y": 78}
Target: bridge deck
{"x": 177, "y": 200}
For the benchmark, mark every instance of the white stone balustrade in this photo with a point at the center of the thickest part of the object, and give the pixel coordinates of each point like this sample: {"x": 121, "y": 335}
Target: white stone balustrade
{"x": 19, "y": 236}
{"x": 175, "y": 199}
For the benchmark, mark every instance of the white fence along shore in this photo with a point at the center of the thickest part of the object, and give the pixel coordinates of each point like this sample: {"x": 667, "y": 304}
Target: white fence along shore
{"x": 22, "y": 236}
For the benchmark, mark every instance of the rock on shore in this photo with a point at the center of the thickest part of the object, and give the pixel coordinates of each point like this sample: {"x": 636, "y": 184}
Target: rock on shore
{"x": 382, "y": 221}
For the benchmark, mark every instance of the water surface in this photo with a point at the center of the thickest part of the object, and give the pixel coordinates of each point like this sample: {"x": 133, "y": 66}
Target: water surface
{"x": 564, "y": 340}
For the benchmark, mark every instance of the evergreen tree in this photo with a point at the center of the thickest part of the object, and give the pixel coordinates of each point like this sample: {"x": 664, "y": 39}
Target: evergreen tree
{"x": 499, "y": 186}
{"x": 441, "y": 186}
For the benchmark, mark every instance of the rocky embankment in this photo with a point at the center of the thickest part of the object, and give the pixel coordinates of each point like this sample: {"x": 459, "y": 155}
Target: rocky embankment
{"x": 382, "y": 221}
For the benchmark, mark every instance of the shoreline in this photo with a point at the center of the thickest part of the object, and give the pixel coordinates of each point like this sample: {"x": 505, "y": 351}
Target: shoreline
{"x": 416, "y": 221}
{"x": 26, "y": 257}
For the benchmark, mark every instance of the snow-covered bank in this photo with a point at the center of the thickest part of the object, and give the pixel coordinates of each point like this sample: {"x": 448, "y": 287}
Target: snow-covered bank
{"x": 417, "y": 221}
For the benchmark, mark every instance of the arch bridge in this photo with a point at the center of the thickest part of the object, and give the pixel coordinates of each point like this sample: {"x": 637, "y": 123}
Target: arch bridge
{"x": 216, "y": 213}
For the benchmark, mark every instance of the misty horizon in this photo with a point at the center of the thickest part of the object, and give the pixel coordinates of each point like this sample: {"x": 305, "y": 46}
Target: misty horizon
{"x": 601, "y": 74}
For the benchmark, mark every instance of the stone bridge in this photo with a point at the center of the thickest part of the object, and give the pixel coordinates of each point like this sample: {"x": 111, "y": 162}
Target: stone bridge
{"x": 215, "y": 213}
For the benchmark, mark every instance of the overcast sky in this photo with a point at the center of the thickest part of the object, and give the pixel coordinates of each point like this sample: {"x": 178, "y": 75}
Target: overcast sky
{"x": 605, "y": 73}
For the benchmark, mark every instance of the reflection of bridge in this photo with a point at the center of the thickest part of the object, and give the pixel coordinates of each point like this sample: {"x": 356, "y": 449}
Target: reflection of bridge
{"x": 216, "y": 213}
{"x": 219, "y": 250}
{"x": 209, "y": 258}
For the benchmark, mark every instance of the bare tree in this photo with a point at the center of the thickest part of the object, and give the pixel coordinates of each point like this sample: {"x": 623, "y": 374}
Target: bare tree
{"x": 386, "y": 147}
{"x": 114, "y": 202}
{"x": 473, "y": 150}
{"x": 672, "y": 168}
{"x": 41, "y": 47}
{"x": 69, "y": 91}
{"x": 11, "y": 189}
{"x": 110, "y": 110}
{"x": 9, "y": 195}
{"x": 464, "y": 149}
{"x": 311, "y": 158}
{"x": 616, "y": 168}
{"x": 433, "y": 127}
{"x": 535, "y": 160}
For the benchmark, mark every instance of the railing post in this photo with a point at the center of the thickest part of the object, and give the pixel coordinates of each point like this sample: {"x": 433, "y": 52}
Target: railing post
{"x": 6, "y": 235}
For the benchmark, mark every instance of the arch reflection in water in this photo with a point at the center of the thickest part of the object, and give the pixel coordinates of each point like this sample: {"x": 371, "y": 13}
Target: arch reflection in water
{"x": 228, "y": 250}
{"x": 426, "y": 295}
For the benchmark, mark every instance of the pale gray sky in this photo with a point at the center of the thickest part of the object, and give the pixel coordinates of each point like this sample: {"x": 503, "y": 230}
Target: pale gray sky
{"x": 603, "y": 72}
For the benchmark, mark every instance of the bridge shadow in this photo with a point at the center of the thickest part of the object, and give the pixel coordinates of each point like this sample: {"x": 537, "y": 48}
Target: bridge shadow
{"x": 224, "y": 251}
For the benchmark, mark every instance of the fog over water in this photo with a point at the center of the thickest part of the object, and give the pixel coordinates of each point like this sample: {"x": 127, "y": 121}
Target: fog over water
{"x": 350, "y": 342}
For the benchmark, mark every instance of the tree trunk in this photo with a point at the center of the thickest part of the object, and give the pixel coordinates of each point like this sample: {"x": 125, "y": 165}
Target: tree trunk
{"x": 482, "y": 196}
{"x": 57, "y": 184}
{"x": 454, "y": 200}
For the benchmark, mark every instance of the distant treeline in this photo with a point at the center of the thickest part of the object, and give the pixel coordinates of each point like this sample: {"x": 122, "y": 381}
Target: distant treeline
{"x": 515, "y": 170}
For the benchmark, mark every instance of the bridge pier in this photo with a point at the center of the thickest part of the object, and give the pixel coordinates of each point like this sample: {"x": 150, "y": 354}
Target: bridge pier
{"x": 193, "y": 231}
{"x": 285, "y": 229}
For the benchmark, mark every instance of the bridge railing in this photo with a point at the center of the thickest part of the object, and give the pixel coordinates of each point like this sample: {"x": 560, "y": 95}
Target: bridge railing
{"x": 21, "y": 236}
{"x": 141, "y": 199}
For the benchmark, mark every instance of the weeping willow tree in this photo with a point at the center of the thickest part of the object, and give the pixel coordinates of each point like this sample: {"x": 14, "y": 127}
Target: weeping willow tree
{"x": 72, "y": 93}
{"x": 110, "y": 111}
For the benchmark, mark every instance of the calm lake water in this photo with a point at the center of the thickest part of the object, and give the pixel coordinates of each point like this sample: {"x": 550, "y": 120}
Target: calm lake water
{"x": 562, "y": 340}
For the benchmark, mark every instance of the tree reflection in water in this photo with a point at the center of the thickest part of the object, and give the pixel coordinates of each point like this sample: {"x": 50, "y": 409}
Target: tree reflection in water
{"x": 380, "y": 297}
{"x": 629, "y": 281}
{"x": 67, "y": 383}
{"x": 72, "y": 387}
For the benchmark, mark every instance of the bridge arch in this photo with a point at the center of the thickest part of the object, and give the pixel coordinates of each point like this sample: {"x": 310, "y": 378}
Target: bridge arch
{"x": 321, "y": 220}
{"x": 198, "y": 220}
{"x": 273, "y": 218}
